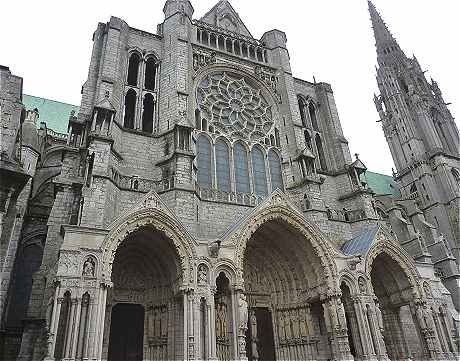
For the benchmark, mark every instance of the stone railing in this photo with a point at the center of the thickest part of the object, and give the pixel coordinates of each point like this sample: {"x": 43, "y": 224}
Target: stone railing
{"x": 345, "y": 215}
{"x": 139, "y": 184}
{"x": 56, "y": 135}
{"x": 247, "y": 199}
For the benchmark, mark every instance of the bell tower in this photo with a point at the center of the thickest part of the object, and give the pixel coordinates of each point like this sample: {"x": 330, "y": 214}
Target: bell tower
{"x": 421, "y": 133}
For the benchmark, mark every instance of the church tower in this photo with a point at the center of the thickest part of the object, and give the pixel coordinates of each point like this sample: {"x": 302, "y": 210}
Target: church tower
{"x": 421, "y": 133}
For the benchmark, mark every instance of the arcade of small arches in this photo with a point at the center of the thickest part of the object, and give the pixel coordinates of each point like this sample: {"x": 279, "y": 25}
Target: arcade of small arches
{"x": 279, "y": 306}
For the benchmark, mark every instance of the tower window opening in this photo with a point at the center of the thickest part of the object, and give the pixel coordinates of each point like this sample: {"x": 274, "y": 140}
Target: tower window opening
{"x": 133, "y": 69}
{"x": 312, "y": 112}
{"x": 130, "y": 109}
{"x": 147, "y": 114}
{"x": 319, "y": 147}
{"x": 150, "y": 74}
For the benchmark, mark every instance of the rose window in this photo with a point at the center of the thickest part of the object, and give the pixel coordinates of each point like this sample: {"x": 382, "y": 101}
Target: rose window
{"x": 234, "y": 107}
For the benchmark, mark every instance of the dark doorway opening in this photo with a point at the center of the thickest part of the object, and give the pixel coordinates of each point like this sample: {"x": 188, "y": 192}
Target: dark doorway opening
{"x": 126, "y": 333}
{"x": 260, "y": 345}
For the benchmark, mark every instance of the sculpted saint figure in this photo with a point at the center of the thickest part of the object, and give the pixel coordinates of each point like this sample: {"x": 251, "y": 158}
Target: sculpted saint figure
{"x": 243, "y": 308}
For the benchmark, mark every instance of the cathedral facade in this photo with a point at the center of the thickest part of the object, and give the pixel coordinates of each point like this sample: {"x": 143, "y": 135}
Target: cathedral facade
{"x": 203, "y": 205}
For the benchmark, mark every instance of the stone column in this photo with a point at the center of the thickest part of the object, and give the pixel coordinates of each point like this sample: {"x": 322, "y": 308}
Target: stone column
{"x": 191, "y": 326}
{"x": 100, "y": 320}
{"x": 211, "y": 318}
{"x": 76, "y": 327}
{"x": 54, "y": 325}
{"x": 242, "y": 322}
{"x": 69, "y": 329}
{"x": 334, "y": 315}
{"x": 424, "y": 323}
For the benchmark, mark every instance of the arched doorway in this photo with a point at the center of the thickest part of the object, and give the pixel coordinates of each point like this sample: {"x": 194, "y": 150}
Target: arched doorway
{"x": 283, "y": 281}
{"x": 145, "y": 313}
{"x": 394, "y": 291}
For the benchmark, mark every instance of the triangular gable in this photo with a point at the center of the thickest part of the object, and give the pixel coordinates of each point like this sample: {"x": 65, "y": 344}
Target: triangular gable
{"x": 277, "y": 197}
{"x": 151, "y": 200}
{"x": 105, "y": 104}
{"x": 358, "y": 165}
{"x": 224, "y": 16}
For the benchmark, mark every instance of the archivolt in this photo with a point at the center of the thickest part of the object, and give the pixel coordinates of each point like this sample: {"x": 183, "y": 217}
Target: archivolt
{"x": 321, "y": 247}
{"x": 161, "y": 221}
{"x": 399, "y": 255}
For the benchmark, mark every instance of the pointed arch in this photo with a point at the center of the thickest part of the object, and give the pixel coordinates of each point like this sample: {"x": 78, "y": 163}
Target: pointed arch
{"x": 133, "y": 69}
{"x": 313, "y": 118}
{"x": 130, "y": 109}
{"x": 320, "y": 150}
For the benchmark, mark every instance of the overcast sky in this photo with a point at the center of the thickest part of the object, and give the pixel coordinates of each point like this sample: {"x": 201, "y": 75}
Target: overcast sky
{"x": 48, "y": 43}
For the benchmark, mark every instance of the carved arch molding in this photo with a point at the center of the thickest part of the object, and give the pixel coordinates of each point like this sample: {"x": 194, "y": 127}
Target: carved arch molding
{"x": 321, "y": 247}
{"x": 181, "y": 240}
{"x": 385, "y": 245}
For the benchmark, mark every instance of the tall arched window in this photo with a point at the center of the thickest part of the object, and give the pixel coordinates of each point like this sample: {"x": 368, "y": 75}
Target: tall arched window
{"x": 197, "y": 119}
{"x": 130, "y": 109}
{"x": 150, "y": 74}
{"x": 319, "y": 148}
{"x": 204, "y": 162}
{"x": 222, "y": 166}
{"x": 133, "y": 69}
{"x": 240, "y": 160}
{"x": 275, "y": 170}
{"x": 312, "y": 112}
{"x": 302, "y": 107}
{"x": 259, "y": 172}
{"x": 28, "y": 262}
{"x": 147, "y": 113}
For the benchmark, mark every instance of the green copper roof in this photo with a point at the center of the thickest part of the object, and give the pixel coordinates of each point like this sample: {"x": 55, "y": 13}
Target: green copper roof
{"x": 54, "y": 114}
{"x": 381, "y": 184}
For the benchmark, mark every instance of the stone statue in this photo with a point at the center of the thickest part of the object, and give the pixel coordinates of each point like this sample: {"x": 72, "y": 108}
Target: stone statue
{"x": 341, "y": 315}
{"x": 255, "y": 352}
{"x": 88, "y": 267}
{"x": 420, "y": 317}
{"x": 362, "y": 285}
{"x": 243, "y": 310}
{"x": 378, "y": 313}
{"x": 202, "y": 274}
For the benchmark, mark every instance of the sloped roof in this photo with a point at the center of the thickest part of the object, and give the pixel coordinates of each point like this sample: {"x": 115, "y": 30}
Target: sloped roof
{"x": 55, "y": 114}
{"x": 381, "y": 184}
{"x": 361, "y": 243}
{"x": 224, "y": 9}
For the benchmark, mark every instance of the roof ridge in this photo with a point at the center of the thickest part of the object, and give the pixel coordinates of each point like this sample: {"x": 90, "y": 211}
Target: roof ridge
{"x": 51, "y": 100}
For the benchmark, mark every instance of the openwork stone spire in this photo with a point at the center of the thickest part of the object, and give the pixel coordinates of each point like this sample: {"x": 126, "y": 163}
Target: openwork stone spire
{"x": 386, "y": 45}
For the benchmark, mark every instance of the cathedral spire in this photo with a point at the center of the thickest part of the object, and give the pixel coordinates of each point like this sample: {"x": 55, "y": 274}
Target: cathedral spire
{"x": 386, "y": 45}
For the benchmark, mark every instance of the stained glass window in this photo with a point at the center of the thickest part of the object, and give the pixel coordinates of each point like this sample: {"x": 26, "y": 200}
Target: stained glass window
{"x": 240, "y": 160}
{"x": 258, "y": 169}
{"x": 204, "y": 162}
{"x": 275, "y": 170}
{"x": 222, "y": 166}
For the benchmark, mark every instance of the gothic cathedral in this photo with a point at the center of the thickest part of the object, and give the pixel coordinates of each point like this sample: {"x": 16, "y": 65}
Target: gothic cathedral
{"x": 202, "y": 204}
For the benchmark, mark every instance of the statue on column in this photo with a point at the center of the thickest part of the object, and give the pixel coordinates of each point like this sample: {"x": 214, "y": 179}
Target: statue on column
{"x": 378, "y": 313}
{"x": 243, "y": 311}
{"x": 253, "y": 322}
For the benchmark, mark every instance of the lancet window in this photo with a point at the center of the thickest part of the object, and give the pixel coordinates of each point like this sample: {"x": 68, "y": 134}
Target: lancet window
{"x": 237, "y": 169}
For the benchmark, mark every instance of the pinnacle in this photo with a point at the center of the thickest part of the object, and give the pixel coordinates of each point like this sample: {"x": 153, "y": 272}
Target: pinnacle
{"x": 384, "y": 40}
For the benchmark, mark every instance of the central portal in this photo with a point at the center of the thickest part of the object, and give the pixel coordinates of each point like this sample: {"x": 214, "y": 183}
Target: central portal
{"x": 126, "y": 333}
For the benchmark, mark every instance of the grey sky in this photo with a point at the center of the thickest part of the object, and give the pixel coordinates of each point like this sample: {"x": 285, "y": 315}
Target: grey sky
{"x": 48, "y": 43}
